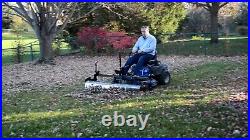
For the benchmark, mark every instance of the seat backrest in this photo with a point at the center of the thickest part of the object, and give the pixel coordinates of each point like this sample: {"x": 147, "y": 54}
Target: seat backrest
{"x": 155, "y": 57}
{"x": 153, "y": 61}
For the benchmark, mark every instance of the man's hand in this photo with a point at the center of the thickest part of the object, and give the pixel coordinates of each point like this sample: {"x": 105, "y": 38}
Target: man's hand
{"x": 134, "y": 51}
{"x": 131, "y": 54}
{"x": 140, "y": 51}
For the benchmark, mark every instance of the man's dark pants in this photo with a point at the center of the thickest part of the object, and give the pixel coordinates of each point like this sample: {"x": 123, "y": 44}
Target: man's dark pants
{"x": 140, "y": 59}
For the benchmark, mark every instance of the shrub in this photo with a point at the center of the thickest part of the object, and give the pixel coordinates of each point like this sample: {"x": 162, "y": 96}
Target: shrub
{"x": 72, "y": 41}
{"x": 242, "y": 30}
{"x": 96, "y": 39}
{"x": 92, "y": 37}
{"x": 197, "y": 37}
{"x": 119, "y": 40}
{"x": 196, "y": 21}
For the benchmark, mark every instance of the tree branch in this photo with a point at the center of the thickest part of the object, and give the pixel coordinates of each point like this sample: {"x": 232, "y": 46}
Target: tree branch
{"x": 57, "y": 12}
{"x": 223, "y": 4}
{"x": 93, "y": 9}
{"x": 24, "y": 11}
{"x": 109, "y": 8}
{"x": 18, "y": 11}
{"x": 206, "y": 6}
{"x": 14, "y": 14}
{"x": 34, "y": 14}
{"x": 65, "y": 22}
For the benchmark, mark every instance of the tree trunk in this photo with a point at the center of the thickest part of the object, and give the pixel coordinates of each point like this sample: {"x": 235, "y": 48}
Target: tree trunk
{"x": 46, "y": 52}
{"x": 214, "y": 23}
{"x": 45, "y": 39}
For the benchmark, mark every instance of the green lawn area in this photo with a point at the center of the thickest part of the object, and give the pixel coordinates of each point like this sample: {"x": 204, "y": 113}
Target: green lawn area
{"x": 227, "y": 46}
{"x": 12, "y": 43}
{"x": 14, "y": 36}
{"x": 187, "y": 111}
{"x": 10, "y": 40}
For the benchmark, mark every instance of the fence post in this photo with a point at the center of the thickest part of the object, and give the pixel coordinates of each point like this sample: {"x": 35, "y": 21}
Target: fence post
{"x": 204, "y": 43}
{"x": 18, "y": 53}
{"x": 31, "y": 52}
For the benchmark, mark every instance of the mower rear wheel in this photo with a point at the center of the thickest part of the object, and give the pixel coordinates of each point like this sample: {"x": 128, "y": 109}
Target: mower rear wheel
{"x": 164, "y": 78}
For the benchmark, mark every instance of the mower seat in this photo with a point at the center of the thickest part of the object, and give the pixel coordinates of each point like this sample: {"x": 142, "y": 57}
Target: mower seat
{"x": 153, "y": 61}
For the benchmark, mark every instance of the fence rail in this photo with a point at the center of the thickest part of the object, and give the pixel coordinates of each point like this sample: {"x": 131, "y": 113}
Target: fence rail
{"x": 177, "y": 44}
{"x": 20, "y": 53}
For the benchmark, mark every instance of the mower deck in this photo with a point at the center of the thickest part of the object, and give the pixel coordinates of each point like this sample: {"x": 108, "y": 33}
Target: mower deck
{"x": 103, "y": 85}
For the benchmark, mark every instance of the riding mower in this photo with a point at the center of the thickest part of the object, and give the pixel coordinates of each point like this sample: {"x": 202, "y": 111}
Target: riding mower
{"x": 153, "y": 73}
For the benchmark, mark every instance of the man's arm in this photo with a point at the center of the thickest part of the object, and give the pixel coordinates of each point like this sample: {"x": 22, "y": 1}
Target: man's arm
{"x": 136, "y": 47}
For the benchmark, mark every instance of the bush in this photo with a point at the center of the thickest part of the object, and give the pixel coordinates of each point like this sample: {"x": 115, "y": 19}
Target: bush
{"x": 19, "y": 25}
{"x": 72, "y": 41}
{"x": 119, "y": 40}
{"x": 163, "y": 18}
{"x": 242, "y": 17}
{"x": 197, "y": 38}
{"x": 196, "y": 21}
{"x": 242, "y": 30}
{"x": 92, "y": 37}
{"x": 99, "y": 40}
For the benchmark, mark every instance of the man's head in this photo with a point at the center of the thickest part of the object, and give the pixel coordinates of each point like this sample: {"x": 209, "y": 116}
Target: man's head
{"x": 145, "y": 31}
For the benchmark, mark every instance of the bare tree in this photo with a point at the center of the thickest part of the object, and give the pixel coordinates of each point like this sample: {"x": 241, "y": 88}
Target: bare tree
{"x": 213, "y": 8}
{"x": 47, "y": 20}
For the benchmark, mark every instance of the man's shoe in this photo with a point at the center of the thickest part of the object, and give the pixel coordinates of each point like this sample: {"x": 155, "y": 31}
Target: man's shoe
{"x": 130, "y": 74}
{"x": 118, "y": 72}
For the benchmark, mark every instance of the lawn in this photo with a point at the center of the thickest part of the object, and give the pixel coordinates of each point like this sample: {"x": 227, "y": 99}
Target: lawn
{"x": 196, "y": 104}
{"x": 227, "y": 46}
{"x": 27, "y": 40}
{"x": 12, "y": 43}
{"x": 14, "y": 36}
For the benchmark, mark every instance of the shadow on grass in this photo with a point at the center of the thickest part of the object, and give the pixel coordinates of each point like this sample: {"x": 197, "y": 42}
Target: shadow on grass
{"x": 172, "y": 114}
{"x": 188, "y": 112}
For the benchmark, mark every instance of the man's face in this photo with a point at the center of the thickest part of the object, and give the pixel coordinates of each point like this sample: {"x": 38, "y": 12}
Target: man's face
{"x": 144, "y": 32}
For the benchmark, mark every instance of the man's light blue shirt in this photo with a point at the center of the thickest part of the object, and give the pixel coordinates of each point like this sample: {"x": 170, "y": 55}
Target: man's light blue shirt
{"x": 147, "y": 45}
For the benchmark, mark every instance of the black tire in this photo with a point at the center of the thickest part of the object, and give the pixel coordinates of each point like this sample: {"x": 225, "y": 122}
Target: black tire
{"x": 164, "y": 78}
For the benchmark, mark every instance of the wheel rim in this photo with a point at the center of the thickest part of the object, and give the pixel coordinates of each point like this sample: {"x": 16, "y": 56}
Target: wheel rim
{"x": 166, "y": 80}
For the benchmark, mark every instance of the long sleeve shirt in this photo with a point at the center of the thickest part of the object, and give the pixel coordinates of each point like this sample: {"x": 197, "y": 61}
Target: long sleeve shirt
{"x": 147, "y": 45}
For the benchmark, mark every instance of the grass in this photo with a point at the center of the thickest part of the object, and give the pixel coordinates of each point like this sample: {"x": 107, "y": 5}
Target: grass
{"x": 14, "y": 36}
{"x": 173, "y": 113}
{"x": 226, "y": 47}
{"x": 12, "y": 43}
{"x": 10, "y": 40}
{"x": 211, "y": 71}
